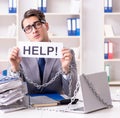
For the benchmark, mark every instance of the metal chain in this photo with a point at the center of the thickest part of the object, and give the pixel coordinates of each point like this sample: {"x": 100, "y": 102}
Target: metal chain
{"x": 90, "y": 85}
{"x": 74, "y": 94}
{"x": 38, "y": 86}
{"x": 68, "y": 107}
{"x": 60, "y": 72}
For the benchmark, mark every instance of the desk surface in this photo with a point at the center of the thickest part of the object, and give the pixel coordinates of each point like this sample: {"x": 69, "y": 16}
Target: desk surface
{"x": 30, "y": 113}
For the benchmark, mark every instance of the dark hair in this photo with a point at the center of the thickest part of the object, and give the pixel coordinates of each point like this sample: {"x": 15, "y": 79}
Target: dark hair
{"x": 33, "y": 12}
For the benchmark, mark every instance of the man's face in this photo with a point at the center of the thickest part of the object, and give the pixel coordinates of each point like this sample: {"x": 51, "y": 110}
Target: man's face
{"x": 35, "y": 30}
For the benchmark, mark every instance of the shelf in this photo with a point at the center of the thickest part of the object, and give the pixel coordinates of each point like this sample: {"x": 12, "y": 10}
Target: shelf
{"x": 112, "y": 37}
{"x": 61, "y": 14}
{"x": 112, "y": 14}
{"x": 64, "y": 37}
{"x": 8, "y": 14}
{"x": 111, "y": 60}
{"x": 7, "y": 38}
{"x": 114, "y": 83}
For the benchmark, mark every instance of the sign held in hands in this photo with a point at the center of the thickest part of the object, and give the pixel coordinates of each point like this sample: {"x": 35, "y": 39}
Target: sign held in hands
{"x": 40, "y": 49}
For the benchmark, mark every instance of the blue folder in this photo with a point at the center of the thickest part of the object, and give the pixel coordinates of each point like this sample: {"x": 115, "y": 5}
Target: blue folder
{"x": 54, "y": 96}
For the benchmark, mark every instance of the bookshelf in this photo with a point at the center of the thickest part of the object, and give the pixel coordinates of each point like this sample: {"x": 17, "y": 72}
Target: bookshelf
{"x": 8, "y": 32}
{"x": 113, "y": 18}
{"x": 55, "y": 16}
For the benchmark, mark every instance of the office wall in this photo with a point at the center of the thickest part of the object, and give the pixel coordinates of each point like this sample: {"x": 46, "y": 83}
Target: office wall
{"x": 93, "y": 46}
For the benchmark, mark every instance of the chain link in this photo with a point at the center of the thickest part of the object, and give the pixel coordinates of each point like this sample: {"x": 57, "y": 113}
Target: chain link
{"x": 74, "y": 94}
{"x": 38, "y": 86}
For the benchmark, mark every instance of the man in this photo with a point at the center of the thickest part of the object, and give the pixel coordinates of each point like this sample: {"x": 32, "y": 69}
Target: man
{"x": 59, "y": 76}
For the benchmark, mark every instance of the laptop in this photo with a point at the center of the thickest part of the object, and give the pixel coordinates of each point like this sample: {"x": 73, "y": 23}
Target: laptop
{"x": 95, "y": 92}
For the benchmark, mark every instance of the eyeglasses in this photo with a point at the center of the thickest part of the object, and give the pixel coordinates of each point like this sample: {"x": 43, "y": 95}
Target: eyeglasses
{"x": 36, "y": 25}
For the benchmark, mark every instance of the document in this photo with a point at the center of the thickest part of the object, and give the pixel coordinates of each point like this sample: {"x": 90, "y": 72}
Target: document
{"x": 110, "y": 50}
{"x": 12, "y": 94}
{"x": 10, "y": 85}
{"x": 108, "y": 30}
{"x": 106, "y": 50}
{"x": 19, "y": 105}
{"x": 69, "y": 26}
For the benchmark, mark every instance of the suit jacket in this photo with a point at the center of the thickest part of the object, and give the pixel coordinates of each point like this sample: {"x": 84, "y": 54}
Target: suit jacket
{"x": 30, "y": 69}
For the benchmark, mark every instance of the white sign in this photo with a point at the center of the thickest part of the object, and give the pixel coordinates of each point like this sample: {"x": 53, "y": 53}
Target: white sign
{"x": 40, "y": 49}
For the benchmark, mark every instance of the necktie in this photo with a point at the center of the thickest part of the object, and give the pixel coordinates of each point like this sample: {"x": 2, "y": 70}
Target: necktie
{"x": 41, "y": 63}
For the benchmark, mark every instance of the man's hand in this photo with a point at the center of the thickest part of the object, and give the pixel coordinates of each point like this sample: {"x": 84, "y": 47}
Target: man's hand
{"x": 66, "y": 60}
{"x": 14, "y": 59}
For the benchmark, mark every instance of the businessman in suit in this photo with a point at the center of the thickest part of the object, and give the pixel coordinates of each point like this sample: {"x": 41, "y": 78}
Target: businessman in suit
{"x": 35, "y": 28}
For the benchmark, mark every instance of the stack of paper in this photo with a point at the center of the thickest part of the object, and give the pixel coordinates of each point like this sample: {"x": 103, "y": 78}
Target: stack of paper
{"x": 12, "y": 94}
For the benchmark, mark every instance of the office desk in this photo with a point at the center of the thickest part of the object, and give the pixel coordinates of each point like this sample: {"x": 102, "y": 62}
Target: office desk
{"x": 34, "y": 113}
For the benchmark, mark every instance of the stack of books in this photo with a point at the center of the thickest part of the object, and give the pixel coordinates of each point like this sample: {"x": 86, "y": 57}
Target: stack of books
{"x": 12, "y": 94}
